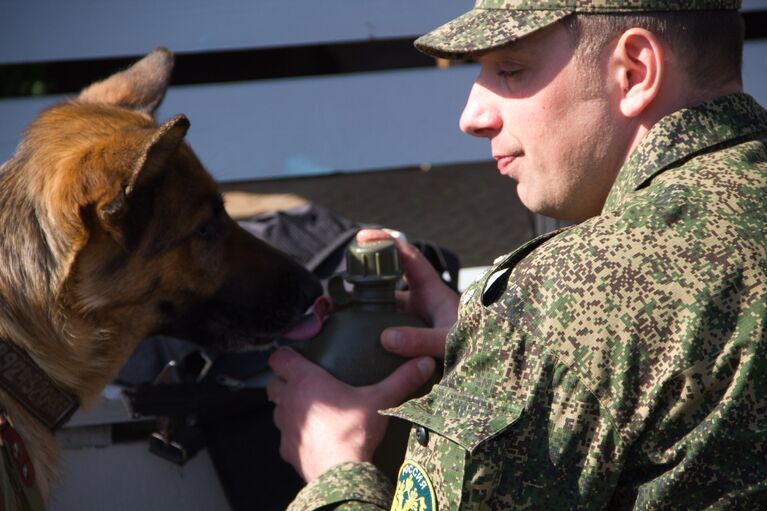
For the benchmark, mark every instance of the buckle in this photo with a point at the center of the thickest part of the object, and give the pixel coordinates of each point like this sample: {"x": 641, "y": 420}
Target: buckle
{"x": 178, "y": 438}
{"x": 194, "y": 366}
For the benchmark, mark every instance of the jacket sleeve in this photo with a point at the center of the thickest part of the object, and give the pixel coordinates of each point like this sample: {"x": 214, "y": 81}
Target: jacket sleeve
{"x": 551, "y": 448}
{"x": 347, "y": 487}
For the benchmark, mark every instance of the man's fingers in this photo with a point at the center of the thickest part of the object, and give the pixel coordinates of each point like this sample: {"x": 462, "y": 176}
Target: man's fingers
{"x": 274, "y": 388}
{"x": 277, "y": 417}
{"x": 403, "y": 382}
{"x": 413, "y": 342}
{"x": 368, "y": 235}
{"x": 287, "y": 364}
{"x": 418, "y": 270}
{"x": 417, "y": 267}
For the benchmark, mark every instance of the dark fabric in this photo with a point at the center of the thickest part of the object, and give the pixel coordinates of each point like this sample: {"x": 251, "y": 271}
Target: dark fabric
{"x": 244, "y": 448}
{"x": 237, "y": 425}
{"x": 311, "y": 234}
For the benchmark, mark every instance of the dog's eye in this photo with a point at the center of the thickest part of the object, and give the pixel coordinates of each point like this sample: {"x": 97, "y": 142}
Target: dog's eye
{"x": 207, "y": 230}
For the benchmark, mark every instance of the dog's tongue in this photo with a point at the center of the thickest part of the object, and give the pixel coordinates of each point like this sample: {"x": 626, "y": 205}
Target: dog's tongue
{"x": 311, "y": 324}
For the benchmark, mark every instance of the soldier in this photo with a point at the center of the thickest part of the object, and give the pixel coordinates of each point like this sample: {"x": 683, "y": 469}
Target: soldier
{"x": 619, "y": 363}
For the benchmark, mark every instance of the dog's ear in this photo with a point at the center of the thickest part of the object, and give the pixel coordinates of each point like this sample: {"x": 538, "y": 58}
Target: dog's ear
{"x": 140, "y": 87}
{"x": 150, "y": 161}
{"x": 158, "y": 149}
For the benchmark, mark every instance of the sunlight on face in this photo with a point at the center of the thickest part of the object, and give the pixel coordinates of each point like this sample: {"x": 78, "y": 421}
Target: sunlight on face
{"x": 550, "y": 124}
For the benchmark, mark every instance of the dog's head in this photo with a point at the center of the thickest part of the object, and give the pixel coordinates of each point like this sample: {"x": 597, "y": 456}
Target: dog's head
{"x": 137, "y": 226}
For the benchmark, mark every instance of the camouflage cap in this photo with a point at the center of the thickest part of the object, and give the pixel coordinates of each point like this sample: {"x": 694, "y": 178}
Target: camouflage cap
{"x": 494, "y": 23}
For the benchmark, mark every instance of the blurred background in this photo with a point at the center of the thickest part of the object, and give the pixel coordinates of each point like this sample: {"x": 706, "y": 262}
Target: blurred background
{"x": 301, "y": 101}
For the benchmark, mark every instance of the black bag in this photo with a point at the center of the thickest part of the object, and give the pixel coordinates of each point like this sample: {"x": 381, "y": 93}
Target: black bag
{"x": 215, "y": 400}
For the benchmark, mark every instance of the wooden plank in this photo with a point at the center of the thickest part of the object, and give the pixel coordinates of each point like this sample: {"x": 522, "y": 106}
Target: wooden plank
{"x": 308, "y": 126}
{"x": 311, "y": 126}
{"x": 754, "y": 5}
{"x": 754, "y": 70}
{"x": 41, "y": 30}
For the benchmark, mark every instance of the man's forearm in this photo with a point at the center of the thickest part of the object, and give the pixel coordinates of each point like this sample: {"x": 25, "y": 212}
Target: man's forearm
{"x": 346, "y": 487}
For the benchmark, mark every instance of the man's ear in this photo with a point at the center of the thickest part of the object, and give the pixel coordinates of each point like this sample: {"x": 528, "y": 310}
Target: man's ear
{"x": 140, "y": 87}
{"x": 149, "y": 163}
{"x": 639, "y": 69}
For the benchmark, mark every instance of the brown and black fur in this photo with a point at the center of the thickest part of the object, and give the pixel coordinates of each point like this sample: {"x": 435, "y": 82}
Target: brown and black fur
{"x": 111, "y": 230}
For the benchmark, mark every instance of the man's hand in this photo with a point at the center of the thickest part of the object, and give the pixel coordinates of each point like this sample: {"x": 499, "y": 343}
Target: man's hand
{"x": 324, "y": 422}
{"x": 428, "y": 298}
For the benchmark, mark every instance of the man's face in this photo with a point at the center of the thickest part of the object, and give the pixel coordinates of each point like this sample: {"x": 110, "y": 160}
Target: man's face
{"x": 550, "y": 124}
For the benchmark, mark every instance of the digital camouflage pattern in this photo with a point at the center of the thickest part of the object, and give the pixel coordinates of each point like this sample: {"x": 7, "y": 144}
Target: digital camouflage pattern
{"x": 620, "y": 363}
{"x": 494, "y": 23}
{"x": 355, "y": 485}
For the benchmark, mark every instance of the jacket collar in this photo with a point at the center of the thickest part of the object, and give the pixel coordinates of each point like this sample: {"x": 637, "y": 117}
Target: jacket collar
{"x": 686, "y": 133}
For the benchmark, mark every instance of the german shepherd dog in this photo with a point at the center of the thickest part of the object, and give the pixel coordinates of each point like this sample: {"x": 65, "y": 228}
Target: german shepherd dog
{"x": 112, "y": 230}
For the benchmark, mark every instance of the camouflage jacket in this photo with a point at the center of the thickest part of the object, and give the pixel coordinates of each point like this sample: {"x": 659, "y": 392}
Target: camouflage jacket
{"x": 620, "y": 363}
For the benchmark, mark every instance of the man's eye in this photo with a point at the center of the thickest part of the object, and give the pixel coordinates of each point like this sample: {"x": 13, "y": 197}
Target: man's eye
{"x": 508, "y": 73}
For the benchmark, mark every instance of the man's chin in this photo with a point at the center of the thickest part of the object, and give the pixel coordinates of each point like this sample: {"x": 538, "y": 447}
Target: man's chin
{"x": 532, "y": 201}
{"x": 541, "y": 205}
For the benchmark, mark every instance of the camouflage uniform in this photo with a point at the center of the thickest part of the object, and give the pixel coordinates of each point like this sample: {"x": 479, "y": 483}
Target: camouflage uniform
{"x": 495, "y": 23}
{"x": 620, "y": 363}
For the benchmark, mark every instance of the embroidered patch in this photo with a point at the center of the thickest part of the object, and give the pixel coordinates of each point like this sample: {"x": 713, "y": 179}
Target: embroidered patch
{"x": 414, "y": 489}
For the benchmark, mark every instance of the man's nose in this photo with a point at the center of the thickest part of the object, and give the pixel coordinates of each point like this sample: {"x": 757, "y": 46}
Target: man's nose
{"x": 480, "y": 118}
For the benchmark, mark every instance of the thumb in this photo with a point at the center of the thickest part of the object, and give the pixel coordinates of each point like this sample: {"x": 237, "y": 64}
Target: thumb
{"x": 419, "y": 272}
{"x": 404, "y": 381}
{"x": 413, "y": 342}
{"x": 289, "y": 364}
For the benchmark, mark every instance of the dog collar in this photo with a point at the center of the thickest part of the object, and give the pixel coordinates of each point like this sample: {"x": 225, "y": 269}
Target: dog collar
{"x": 23, "y": 379}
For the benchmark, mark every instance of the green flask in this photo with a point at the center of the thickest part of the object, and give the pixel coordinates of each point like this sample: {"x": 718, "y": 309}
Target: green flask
{"x": 349, "y": 344}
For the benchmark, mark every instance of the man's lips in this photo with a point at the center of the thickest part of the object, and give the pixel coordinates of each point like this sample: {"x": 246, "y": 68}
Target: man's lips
{"x": 504, "y": 162}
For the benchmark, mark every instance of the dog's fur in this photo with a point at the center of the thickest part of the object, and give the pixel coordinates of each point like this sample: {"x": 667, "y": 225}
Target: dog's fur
{"x": 110, "y": 230}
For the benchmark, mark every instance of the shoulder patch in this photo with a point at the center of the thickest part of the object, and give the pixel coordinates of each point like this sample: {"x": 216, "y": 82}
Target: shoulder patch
{"x": 414, "y": 489}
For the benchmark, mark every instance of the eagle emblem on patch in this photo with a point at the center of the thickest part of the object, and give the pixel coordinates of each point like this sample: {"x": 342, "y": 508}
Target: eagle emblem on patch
{"x": 414, "y": 490}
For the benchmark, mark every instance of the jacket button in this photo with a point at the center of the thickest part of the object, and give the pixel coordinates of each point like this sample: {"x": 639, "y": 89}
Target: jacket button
{"x": 422, "y": 435}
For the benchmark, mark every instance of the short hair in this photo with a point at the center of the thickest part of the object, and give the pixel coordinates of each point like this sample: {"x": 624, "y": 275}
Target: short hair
{"x": 709, "y": 43}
